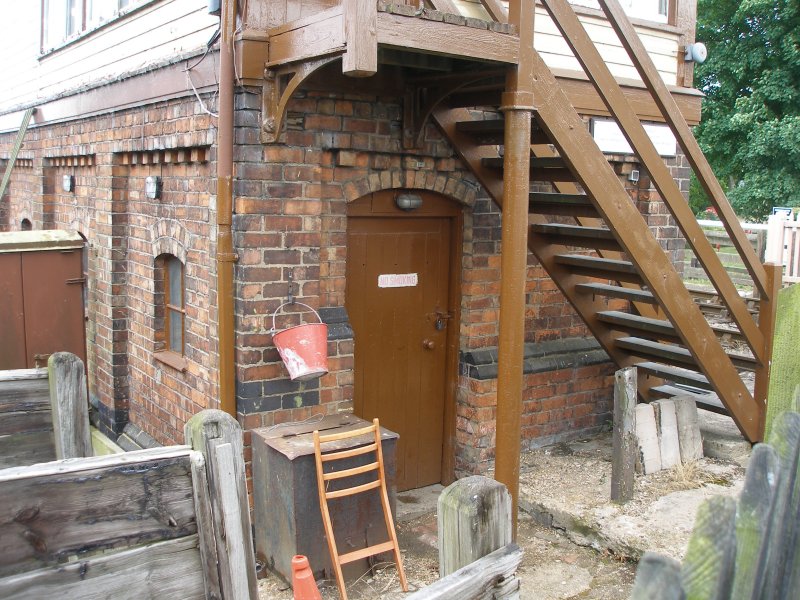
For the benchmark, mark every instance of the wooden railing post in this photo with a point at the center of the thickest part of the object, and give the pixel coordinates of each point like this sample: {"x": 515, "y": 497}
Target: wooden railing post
{"x": 70, "y": 405}
{"x": 361, "y": 37}
{"x": 767, "y": 309}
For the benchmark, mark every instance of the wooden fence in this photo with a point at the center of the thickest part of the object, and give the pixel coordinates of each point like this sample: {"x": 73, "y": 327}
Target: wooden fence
{"x": 158, "y": 523}
{"x": 747, "y": 549}
{"x": 719, "y": 239}
{"x": 44, "y": 413}
{"x": 783, "y": 245}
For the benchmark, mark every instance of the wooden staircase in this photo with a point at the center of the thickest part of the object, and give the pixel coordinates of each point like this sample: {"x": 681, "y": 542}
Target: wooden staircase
{"x": 594, "y": 243}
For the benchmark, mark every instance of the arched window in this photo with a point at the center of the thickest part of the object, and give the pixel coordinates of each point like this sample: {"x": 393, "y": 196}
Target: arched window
{"x": 26, "y": 225}
{"x": 170, "y": 305}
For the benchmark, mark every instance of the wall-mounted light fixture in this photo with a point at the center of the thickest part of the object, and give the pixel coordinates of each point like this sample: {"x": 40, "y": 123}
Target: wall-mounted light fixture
{"x": 68, "y": 183}
{"x": 634, "y": 176}
{"x": 152, "y": 187}
{"x": 696, "y": 52}
{"x": 408, "y": 201}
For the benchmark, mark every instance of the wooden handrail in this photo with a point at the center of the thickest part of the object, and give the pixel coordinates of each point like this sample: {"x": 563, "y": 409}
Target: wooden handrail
{"x": 672, "y": 114}
{"x": 587, "y": 54}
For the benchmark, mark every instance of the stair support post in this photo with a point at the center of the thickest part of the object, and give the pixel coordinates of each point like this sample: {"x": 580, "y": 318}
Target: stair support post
{"x": 517, "y": 107}
{"x": 767, "y": 310}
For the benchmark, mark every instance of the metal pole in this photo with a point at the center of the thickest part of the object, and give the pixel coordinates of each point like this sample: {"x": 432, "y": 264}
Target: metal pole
{"x": 517, "y": 106}
{"x": 225, "y": 254}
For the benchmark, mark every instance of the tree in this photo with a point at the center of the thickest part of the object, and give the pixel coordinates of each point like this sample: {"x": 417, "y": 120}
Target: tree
{"x": 751, "y": 114}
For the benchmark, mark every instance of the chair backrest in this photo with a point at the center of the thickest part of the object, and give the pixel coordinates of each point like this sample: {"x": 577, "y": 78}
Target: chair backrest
{"x": 330, "y": 455}
{"x": 339, "y": 446}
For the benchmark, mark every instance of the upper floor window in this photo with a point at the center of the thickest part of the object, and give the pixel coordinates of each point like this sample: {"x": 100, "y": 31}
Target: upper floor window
{"x": 65, "y": 19}
{"x": 651, "y": 10}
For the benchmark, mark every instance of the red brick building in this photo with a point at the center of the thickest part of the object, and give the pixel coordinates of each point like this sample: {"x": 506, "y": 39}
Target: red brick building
{"x": 126, "y": 107}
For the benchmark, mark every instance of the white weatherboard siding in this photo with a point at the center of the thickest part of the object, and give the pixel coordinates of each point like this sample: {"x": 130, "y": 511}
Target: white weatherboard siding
{"x": 152, "y": 35}
{"x": 662, "y": 45}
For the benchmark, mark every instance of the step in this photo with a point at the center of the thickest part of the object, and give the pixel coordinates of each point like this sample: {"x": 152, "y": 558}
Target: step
{"x": 601, "y": 268}
{"x": 572, "y": 205}
{"x": 615, "y": 291}
{"x": 581, "y": 237}
{"x": 676, "y": 374}
{"x": 666, "y": 353}
{"x": 552, "y": 169}
{"x": 644, "y": 326}
{"x": 709, "y": 402}
{"x": 492, "y": 132}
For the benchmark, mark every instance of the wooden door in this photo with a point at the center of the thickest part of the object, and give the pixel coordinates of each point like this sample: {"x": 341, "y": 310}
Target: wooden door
{"x": 398, "y": 296}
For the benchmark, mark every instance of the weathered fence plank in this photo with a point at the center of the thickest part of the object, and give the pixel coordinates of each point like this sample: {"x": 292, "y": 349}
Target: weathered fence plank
{"x": 624, "y": 444}
{"x": 752, "y": 522}
{"x": 479, "y": 580}
{"x": 658, "y": 578}
{"x": 70, "y": 405}
{"x": 24, "y": 389}
{"x": 152, "y": 572}
{"x": 26, "y": 429}
{"x": 205, "y": 432}
{"x": 205, "y": 527}
{"x": 707, "y": 570}
{"x": 53, "y": 510}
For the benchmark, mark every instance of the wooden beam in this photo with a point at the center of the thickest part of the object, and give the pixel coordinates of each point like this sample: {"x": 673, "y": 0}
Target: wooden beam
{"x": 446, "y": 39}
{"x": 319, "y": 35}
{"x": 70, "y": 405}
{"x": 360, "y": 27}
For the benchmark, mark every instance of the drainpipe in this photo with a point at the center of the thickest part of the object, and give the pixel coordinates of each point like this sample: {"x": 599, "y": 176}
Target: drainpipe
{"x": 225, "y": 254}
{"x": 517, "y": 106}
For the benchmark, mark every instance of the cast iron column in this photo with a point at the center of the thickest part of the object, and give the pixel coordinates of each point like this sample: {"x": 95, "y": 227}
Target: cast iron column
{"x": 517, "y": 105}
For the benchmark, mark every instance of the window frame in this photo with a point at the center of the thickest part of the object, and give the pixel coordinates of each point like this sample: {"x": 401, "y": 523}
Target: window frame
{"x": 166, "y": 311}
{"x": 85, "y": 27}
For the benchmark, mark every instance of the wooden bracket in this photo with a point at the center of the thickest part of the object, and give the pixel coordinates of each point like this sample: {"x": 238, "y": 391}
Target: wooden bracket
{"x": 280, "y": 83}
{"x": 420, "y": 100}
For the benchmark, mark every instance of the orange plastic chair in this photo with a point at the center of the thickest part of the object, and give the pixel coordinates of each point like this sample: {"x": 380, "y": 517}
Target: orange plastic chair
{"x": 332, "y": 455}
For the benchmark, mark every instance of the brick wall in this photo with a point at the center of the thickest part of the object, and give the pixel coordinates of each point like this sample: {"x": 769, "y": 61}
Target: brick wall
{"x": 108, "y": 156}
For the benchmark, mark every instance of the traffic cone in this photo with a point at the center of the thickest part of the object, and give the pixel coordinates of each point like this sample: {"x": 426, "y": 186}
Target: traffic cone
{"x": 303, "y": 584}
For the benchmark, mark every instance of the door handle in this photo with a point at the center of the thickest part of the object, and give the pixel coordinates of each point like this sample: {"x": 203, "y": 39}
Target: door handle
{"x": 428, "y": 344}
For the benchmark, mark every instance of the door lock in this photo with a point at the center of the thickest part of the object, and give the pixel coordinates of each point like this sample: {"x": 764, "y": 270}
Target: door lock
{"x": 441, "y": 320}
{"x": 428, "y": 344}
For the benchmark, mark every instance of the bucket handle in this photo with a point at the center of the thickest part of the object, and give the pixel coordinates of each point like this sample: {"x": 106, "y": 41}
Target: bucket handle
{"x": 287, "y": 303}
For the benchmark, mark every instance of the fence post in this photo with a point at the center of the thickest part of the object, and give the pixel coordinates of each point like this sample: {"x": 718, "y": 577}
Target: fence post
{"x": 624, "y": 443}
{"x": 70, "y": 405}
{"x": 219, "y": 437}
{"x": 474, "y": 519}
{"x": 776, "y": 228}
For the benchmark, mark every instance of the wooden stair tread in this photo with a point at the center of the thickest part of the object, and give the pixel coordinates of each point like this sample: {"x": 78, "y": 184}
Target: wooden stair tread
{"x": 709, "y": 402}
{"x": 670, "y": 354}
{"x": 615, "y": 291}
{"x": 677, "y": 374}
{"x": 549, "y": 203}
{"x": 573, "y": 231}
{"x": 536, "y": 163}
{"x": 581, "y": 237}
{"x": 627, "y": 322}
{"x": 601, "y": 268}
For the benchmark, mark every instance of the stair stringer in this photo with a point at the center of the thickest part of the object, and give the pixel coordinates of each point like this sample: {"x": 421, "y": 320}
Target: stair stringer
{"x": 576, "y": 146}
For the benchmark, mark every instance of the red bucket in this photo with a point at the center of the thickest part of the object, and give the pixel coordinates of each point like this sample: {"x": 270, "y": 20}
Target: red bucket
{"x": 303, "y": 348}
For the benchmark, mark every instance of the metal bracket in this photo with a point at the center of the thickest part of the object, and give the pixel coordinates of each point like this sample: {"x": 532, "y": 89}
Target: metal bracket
{"x": 290, "y": 294}
{"x": 279, "y": 85}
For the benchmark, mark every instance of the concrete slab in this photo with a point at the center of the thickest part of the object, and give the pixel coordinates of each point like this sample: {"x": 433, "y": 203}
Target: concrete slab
{"x": 722, "y": 439}
{"x": 689, "y": 437}
{"x": 668, "y": 442}
{"x": 647, "y": 433}
{"x": 572, "y": 494}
